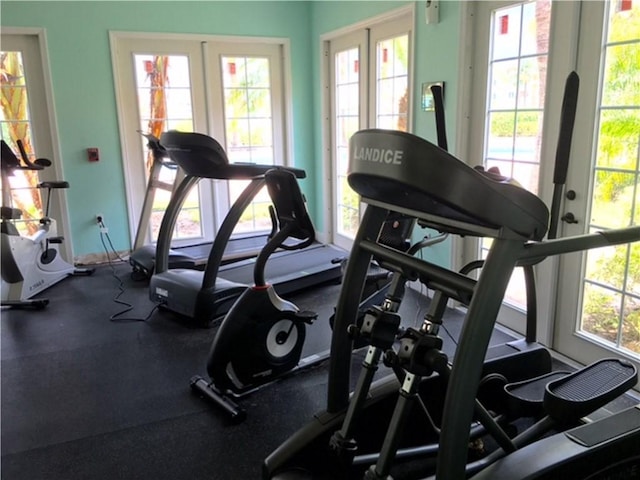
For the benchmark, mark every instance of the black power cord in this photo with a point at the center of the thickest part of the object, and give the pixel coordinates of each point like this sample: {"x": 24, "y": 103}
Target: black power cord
{"x": 118, "y": 317}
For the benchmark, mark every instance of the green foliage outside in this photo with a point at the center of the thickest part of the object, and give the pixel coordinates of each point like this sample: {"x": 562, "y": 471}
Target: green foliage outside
{"x": 349, "y": 212}
{"x": 527, "y": 124}
{"x": 610, "y": 315}
{"x": 606, "y": 313}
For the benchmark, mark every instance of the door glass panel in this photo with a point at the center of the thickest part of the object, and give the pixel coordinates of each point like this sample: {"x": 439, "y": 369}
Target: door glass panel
{"x": 248, "y": 121}
{"x": 347, "y": 122}
{"x": 163, "y": 88}
{"x": 15, "y": 125}
{"x": 369, "y": 89}
{"x": 611, "y": 284}
{"x": 392, "y": 80}
{"x": 516, "y": 94}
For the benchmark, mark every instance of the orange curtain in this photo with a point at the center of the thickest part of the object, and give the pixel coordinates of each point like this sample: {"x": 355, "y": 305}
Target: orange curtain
{"x": 158, "y": 75}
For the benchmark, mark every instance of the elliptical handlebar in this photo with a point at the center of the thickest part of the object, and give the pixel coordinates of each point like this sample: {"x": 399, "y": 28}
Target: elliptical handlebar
{"x": 563, "y": 149}
{"x": 441, "y": 130}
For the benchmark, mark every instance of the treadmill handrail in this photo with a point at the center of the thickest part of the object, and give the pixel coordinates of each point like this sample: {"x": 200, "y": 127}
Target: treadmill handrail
{"x": 202, "y": 156}
{"x": 226, "y": 230}
{"x": 168, "y": 222}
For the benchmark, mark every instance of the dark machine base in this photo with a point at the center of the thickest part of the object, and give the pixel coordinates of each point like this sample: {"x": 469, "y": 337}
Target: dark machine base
{"x": 514, "y": 361}
{"x": 227, "y": 400}
{"x": 32, "y": 304}
{"x": 180, "y": 289}
{"x": 605, "y": 449}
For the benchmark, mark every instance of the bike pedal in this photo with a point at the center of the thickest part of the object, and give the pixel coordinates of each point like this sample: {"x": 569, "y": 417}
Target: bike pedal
{"x": 306, "y": 316}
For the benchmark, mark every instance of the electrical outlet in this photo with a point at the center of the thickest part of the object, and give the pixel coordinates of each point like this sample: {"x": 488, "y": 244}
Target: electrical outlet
{"x": 99, "y": 218}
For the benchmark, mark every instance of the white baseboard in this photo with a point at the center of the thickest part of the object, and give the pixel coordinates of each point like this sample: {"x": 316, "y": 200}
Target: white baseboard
{"x": 100, "y": 258}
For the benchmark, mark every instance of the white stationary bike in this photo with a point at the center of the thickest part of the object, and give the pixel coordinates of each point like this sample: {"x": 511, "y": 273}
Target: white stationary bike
{"x": 29, "y": 264}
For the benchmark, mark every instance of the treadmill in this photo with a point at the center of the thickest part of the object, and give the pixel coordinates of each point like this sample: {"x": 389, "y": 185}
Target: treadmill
{"x": 206, "y": 295}
{"x": 142, "y": 257}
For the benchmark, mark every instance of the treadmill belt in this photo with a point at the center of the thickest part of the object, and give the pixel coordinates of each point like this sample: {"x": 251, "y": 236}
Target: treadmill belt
{"x": 291, "y": 271}
{"x": 237, "y": 248}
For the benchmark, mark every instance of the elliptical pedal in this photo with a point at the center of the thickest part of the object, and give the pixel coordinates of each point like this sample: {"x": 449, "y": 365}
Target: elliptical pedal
{"x": 569, "y": 396}
{"x": 584, "y": 391}
{"x": 525, "y": 398}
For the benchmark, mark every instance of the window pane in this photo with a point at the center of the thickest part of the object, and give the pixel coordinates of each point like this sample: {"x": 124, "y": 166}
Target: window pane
{"x": 504, "y": 85}
{"x": 347, "y": 122}
{"x": 532, "y": 82}
{"x": 249, "y": 128}
{"x": 612, "y": 306}
{"x": 15, "y": 125}
{"x": 613, "y": 199}
{"x": 601, "y": 312}
{"x": 506, "y": 33}
{"x": 536, "y": 19}
{"x": 621, "y": 86}
{"x": 631, "y": 325}
{"x": 235, "y": 101}
{"x": 528, "y": 137}
{"x": 516, "y": 93}
{"x": 500, "y": 139}
{"x": 623, "y": 22}
{"x": 392, "y": 83}
{"x": 163, "y": 86}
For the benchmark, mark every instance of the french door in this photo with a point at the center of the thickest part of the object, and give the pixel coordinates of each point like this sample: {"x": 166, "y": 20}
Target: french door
{"x": 369, "y": 87}
{"x": 231, "y": 90}
{"x": 511, "y": 122}
{"x": 599, "y": 294}
{"x": 524, "y": 51}
{"x": 24, "y": 115}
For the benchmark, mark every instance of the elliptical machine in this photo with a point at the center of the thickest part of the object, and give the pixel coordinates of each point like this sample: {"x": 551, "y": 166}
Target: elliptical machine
{"x": 262, "y": 335}
{"x": 30, "y": 264}
{"x": 449, "y": 408}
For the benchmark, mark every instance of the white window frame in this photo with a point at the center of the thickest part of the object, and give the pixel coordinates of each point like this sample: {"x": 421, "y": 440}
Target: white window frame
{"x": 45, "y": 126}
{"x": 403, "y": 14}
{"x": 205, "y": 121}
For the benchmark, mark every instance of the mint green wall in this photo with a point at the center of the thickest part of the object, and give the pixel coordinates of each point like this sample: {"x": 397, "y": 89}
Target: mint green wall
{"x": 79, "y": 53}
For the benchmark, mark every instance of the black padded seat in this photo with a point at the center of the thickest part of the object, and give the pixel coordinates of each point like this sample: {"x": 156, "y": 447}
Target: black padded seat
{"x": 402, "y": 169}
{"x": 202, "y": 156}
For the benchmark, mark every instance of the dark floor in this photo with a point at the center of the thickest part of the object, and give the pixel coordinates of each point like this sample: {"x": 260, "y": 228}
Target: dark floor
{"x": 84, "y": 397}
